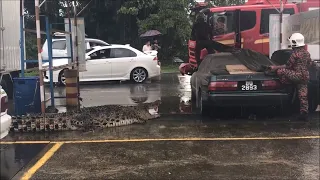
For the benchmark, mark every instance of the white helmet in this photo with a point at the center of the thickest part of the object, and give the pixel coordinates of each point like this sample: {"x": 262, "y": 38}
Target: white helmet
{"x": 296, "y": 40}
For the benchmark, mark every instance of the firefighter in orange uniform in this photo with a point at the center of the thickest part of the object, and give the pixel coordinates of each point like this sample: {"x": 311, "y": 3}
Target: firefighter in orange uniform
{"x": 296, "y": 71}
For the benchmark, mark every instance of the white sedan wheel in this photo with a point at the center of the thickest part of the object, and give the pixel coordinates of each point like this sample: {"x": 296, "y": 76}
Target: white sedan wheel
{"x": 139, "y": 75}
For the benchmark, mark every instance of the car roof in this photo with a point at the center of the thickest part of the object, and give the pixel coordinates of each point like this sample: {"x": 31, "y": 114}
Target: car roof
{"x": 126, "y": 46}
{"x": 114, "y": 46}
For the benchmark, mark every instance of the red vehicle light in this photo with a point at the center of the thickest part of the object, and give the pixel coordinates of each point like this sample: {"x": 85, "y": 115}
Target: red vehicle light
{"x": 4, "y": 103}
{"x": 270, "y": 85}
{"x": 155, "y": 59}
{"x": 223, "y": 86}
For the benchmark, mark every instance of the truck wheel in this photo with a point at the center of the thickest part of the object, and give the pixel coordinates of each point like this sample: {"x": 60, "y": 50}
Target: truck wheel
{"x": 61, "y": 78}
{"x": 7, "y": 85}
{"x": 4, "y": 85}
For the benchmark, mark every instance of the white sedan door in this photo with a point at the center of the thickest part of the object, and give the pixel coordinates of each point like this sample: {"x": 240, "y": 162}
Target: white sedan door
{"x": 121, "y": 62}
{"x": 98, "y": 66}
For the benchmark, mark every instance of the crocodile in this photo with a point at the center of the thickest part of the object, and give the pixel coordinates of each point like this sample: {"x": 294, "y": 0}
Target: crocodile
{"x": 87, "y": 119}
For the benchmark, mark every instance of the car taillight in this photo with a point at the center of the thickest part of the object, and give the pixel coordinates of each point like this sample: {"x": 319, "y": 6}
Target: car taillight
{"x": 156, "y": 59}
{"x": 4, "y": 103}
{"x": 223, "y": 86}
{"x": 270, "y": 85}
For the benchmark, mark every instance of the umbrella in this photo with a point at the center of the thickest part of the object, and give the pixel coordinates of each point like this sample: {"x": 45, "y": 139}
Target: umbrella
{"x": 150, "y": 33}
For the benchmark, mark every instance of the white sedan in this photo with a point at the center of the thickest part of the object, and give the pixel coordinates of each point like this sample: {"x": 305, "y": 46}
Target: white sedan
{"x": 114, "y": 62}
{"x": 5, "y": 119}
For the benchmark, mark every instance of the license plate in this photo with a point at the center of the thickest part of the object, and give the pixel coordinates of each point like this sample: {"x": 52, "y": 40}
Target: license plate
{"x": 249, "y": 86}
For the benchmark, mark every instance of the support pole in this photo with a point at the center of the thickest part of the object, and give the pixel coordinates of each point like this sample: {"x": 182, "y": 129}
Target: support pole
{"x": 281, "y": 19}
{"x": 49, "y": 40}
{"x": 70, "y": 32}
{"x": 22, "y": 57}
{"x": 76, "y": 56}
{"x": 37, "y": 11}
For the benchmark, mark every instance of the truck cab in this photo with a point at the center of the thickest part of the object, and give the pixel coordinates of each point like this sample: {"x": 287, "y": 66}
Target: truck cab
{"x": 246, "y": 26}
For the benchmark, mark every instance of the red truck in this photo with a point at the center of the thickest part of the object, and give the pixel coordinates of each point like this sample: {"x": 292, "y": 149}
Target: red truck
{"x": 247, "y": 26}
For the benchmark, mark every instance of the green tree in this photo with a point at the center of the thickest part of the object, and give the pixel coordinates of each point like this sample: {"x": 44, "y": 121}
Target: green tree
{"x": 167, "y": 16}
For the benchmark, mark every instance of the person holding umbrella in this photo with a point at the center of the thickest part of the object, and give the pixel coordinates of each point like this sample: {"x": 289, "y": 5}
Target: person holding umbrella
{"x": 155, "y": 45}
{"x": 148, "y": 35}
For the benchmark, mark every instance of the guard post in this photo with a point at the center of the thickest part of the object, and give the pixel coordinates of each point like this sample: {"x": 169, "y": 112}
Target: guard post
{"x": 72, "y": 93}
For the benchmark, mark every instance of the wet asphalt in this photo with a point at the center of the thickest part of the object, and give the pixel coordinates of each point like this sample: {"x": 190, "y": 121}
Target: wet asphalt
{"x": 227, "y": 158}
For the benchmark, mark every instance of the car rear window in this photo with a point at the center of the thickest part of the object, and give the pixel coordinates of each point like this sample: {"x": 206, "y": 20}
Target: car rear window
{"x": 88, "y": 50}
{"x": 122, "y": 52}
{"x": 61, "y": 45}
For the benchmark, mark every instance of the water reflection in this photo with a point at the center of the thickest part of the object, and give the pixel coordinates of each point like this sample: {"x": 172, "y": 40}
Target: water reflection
{"x": 16, "y": 156}
{"x": 185, "y": 104}
{"x": 174, "y": 92}
{"x": 114, "y": 94}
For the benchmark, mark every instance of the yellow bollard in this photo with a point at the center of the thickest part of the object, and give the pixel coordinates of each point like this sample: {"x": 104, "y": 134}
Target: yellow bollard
{"x": 71, "y": 87}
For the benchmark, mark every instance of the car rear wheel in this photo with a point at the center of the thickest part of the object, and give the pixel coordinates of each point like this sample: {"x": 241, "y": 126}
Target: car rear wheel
{"x": 139, "y": 75}
{"x": 62, "y": 78}
{"x": 203, "y": 107}
{"x": 193, "y": 96}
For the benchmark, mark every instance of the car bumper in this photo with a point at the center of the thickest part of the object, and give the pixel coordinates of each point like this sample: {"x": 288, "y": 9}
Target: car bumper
{"x": 5, "y": 125}
{"x": 155, "y": 73}
{"x": 261, "y": 99}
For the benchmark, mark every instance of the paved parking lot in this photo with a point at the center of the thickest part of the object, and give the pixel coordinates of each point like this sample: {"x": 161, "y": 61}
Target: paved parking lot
{"x": 179, "y": 145}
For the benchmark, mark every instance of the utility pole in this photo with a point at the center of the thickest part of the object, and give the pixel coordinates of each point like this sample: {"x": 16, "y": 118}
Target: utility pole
{"x": 37, "y": 12}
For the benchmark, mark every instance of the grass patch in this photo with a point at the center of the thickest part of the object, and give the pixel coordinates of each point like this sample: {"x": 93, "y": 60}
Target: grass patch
{"x": 30, "y": 74}
{"x": 171, "y": 68}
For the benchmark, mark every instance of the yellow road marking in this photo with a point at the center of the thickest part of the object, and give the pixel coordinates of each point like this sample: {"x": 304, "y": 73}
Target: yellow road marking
{"x": 165, "y": 139}
{"x": 41, "y": 162}
{"x": 190, "y": 139}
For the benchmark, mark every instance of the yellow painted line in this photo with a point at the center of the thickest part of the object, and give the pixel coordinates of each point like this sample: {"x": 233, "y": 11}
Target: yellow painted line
{"x": 24, "y": 142}
{"x": 188, "y": 139}
{"x": 260, "y": 41}
{"x": 166, "y": 139}
{"x": 41, "y": 162}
